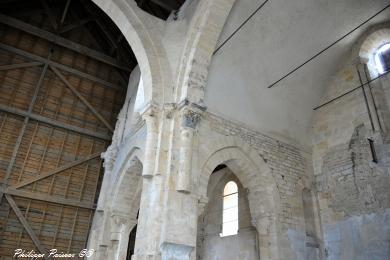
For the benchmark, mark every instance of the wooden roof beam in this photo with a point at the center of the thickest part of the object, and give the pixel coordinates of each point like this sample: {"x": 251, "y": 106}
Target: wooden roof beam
{"x": 25, "y": 224}
{"x": 65, "y": 12}
{"x": 74, "y": 90}
{"x": 57, "y": 170}
{"x": 55, "y": 123}
{"x": 75, "y": 25}
{"x": 51, "y": 37}
{"x": 25, "y": 123}
{"x": 20, "y": 65}
{"x": 60, "y": 66}
{"x": 47, "y": 198}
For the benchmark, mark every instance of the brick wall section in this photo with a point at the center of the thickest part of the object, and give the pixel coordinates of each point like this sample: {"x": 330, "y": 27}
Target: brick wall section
{"x": 350, "y": 181}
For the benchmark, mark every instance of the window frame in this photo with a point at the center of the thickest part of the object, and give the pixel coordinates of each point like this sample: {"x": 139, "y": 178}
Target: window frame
{"x": 235, "y": 195}
{"x": 377, "y": 59}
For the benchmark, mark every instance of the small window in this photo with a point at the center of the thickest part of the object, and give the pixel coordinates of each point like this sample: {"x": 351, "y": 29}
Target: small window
{"x": 382, "y": 58}
{"x": 230, "y": 210}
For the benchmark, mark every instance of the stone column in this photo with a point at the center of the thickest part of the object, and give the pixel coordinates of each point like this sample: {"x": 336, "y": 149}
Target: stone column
{"x": 190, "y": 119}
{"x": 120, "y": 228}
{"x": 124, "y": 239}
{"x": 181, "y": 206}
{"x": 150, "y": 117}
{"x": 147, "y": 245}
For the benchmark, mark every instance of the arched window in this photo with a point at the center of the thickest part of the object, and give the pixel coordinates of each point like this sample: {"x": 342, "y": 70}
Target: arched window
{"x": 382, "y": 58}
{"x": 230, "y": 209}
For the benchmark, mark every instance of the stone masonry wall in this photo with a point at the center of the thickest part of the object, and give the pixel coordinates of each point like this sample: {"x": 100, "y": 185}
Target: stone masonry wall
{"x": 353, "y": 193}
{"x": 291, "y": 169}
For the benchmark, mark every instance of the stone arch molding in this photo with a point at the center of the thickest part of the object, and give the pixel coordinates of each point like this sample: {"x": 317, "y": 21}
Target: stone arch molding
{"x": 142, "y": 31}
{"x": 119, "y": 216}
{"x": 128, "y": 186}
{"x": 255, "y": 175}
{"x": 201, "y": 41}
{"x": 373, "y": 38}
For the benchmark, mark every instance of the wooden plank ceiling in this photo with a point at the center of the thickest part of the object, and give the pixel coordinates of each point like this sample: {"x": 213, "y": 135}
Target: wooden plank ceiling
{"x": 64, "y": 69}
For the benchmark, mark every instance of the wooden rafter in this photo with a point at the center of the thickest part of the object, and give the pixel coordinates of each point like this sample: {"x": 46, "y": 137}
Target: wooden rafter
{"x": 51, "y": 37}
{"x": 66, "y": 193}
{"x": 65, "y": 12}
{"x": 47, "y": 198}
{"x": 74, "y": 90}
{"x": 57, "y": 170}
{"x": 52, "y": 122}
{"x": 59, "y": 66}
{"x": 25, "y": 122}
{"x": 20, "y": 65}
{"x": 75, "y": 25}
{"x": 25, "y": 224}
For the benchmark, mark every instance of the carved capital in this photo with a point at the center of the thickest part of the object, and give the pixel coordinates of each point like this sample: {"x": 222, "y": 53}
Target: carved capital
{"x": 119, "y": 224}
{"x": 109, "y": 157}
{"x": 190, "y": 118}
{"x": 150, "y": 110}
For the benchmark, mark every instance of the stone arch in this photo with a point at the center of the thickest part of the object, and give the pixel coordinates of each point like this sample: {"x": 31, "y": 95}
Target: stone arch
{"x": 127, "y": 188}
{"x": 121, "y": 217}
{"x": 112, "y": 226}
{"x": 142, "y": 32}
{"x": 205, "y": 28}
{"x": 365, "y": 47}
{"x": 255, "y": 175}
{"x": 373, "y": 38}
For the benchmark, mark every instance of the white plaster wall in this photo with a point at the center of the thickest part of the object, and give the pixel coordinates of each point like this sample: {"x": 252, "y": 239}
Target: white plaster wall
{"x": 279, "y": 37}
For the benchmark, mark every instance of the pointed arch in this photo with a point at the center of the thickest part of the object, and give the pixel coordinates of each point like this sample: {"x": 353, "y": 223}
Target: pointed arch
{"x": 142, "y": 31}
{"x": 128, "y": 186}
{"x": 255, "y": 175}
{"x": 205, "y": 28}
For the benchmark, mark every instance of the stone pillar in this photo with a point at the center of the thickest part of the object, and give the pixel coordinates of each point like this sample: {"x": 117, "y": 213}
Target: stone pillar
{"x": 179, "y": 229}
{"x": 120, "y": 232}
{"x": 150, "y": 117}
{"x": 361, "y": 67}
{"x": 147, "y": 245}
{"x": 267, "y": 235}
{"x": 124, "y": 239}
{"x": 190, "y": 119}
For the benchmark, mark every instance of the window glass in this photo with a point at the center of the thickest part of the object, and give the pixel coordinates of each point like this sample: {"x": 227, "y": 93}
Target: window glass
{"x": 230, "y": 209}
{"x": 382, "y": 58}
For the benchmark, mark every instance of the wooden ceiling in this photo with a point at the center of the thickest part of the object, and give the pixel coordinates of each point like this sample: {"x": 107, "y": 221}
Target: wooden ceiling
{"x": 64, "y": 69}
